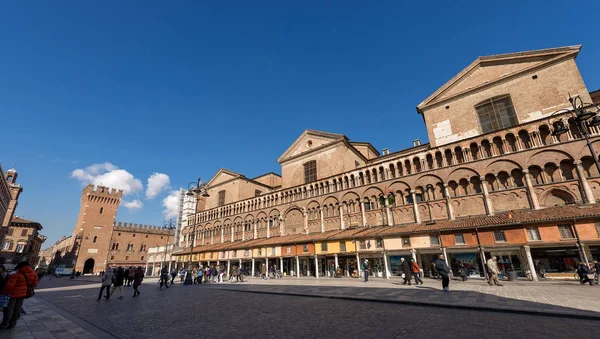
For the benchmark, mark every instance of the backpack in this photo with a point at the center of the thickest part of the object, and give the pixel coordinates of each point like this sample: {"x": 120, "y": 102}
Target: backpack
{"x": 30, "y": 292}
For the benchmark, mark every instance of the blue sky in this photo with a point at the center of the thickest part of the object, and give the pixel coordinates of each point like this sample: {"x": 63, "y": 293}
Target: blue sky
{"x": 184, "y": 88}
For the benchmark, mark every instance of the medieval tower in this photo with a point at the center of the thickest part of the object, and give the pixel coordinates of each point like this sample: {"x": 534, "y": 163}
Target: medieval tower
{"x": 93, "y": 231}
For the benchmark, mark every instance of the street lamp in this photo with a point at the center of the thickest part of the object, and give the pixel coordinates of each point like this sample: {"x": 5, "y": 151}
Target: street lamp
{"x": 195, "y": 189}
{"x": 169, "y": 225}
{"x": 580, "y": 117}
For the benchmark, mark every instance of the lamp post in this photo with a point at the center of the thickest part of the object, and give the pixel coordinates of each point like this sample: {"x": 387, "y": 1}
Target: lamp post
{"x": 169, "y": 225}
{"x": 580, "y": 117}
{"x": 195, "y": 189}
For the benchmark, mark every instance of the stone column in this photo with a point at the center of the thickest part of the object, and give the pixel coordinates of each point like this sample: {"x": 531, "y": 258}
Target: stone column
{"x": 232, "y": 232}
{"x": 228, "y": 268}
{"x": 297, "y": 266}
{"x": 589, "y": 195}
{"x": 316, "y": 267}
{"x": 358, "y": 266}
{"x": 535, "y": 204}
{"x": 388, "y": 212}
{"x": 336, "y": 261}
{"x": 415, "y": 207}
{"x": 305, "y": 222}
{"x": 530, "y": 262}
{"x": 222, "y": 235}
{"x": 322, "y": 220}
{"x": 244, "y": 232}
{"x": 203, "y": 238}
{"x": 362, "y": 212}
{"x": 486, "y": 197}
{"x": 252, "y": 273}
{"x": 342, "y": 216}
{"x": 268, "y": 228}
{"x": 385, "y": 263}
{"x": 254, "y": 222}
{"x": 413, "y": 253}
{"x": 281, "y": 264}
{"x": 449, "y": 207}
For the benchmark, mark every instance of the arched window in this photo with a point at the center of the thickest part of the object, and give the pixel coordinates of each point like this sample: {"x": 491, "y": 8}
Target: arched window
{"x": 95, "y": 238}
{"x": 496, "y": 113}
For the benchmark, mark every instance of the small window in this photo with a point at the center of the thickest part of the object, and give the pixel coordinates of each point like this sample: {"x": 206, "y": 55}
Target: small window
{"x": 324, "y": 246}
{"x": 142, "y": 257}
{"x": 146, "y": 235}
{"x": 434, "y": 240}
{"x": 271, "y": 223}
{"x": 20, "y": 248}
{"x": 310, "y": 171}
{"x": 101, "y": 210}
{"x": 288, "y": 250}
{"x": 379, "y": 243}
{"x": 367, "y": 205}
{"x": 246, "y": 253}
{"x": 459, "y": 239}
{"x": 112, "y": 257}
{"x": 343, "y": 246}
{"x": 95, "y": 238}
{"x": 363, "y": 245}
{"x": 24, "y": 232}
{"x": 419, "y": 197}
{"x": 260, "y": 251}
{"x": 134, "y": 235}
{"x": 222, "y": 198}
{"x": 305, "y": 248}
{"x": 127, "y": 258}
{"x": 119, "y": 234}
{"x": 533, "y": 234}
{"x": 499, "y": 236}
{"x": 566, "y": 232}
{"x": 405, "y": 241}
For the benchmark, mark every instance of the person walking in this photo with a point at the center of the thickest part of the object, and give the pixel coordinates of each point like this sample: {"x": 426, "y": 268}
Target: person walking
{"x": 131, "y": 275}
{"x": 493, "y": 271}
{"x": 164, "y": 277}
{"x": 366, "y": 269}
{"x": 173, "y": 275}
{"x": 263, "y": 271}
{"x": 584, "y": 274}
{"x": 416, "y": 272}
{"x": 406, "y": 271}
{"x": 138, "y": 277}
{"x": 107, "y": 281}
{"x": 182, "y": 275}
{"x": 18, "y": 286}
{"x": 443, "y": 270}
{"x": 118, "y": 284}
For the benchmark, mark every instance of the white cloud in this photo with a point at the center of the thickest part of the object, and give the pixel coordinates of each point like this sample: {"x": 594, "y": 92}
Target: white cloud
{"x": 157, "y": 182}
{"x": 171, "y": 205}
{"x": 107, "y": 174}
{"x": 132, "y": 205}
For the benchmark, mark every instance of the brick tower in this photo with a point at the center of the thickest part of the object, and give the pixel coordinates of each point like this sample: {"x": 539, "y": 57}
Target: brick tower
{"x": 93, "y": 231}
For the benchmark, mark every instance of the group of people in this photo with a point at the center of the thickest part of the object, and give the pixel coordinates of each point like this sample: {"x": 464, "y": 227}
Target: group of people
{"x": 119, "y": 277}
{"x": 202, "y": 275}
{"x": 15, "y": 287}
{"x": 272, "y": 271}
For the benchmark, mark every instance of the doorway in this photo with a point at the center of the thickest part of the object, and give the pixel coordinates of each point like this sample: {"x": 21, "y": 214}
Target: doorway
{"x": 88, "y": 267}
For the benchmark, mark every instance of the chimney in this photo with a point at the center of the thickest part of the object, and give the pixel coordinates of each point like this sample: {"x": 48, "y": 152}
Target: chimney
{"x": 386, "y": 151}
{"x": 416, "y": 142}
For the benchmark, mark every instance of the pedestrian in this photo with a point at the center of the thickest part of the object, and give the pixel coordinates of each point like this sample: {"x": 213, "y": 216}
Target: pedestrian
{"x": 118, "y": 284}
{"x": 263, "y": 271}
{"x": 18, "y": 286}
{"x": 173, "y": 275}
{"x": 221, "y": 273}
{"x": 416, "y": 272}
{"x": 182, "y": 275}
{"x": 132, "y": 271}
{"x": 164, "y": 278}
{"x": 214, "y": 273}
{"x": 464, "y": 272}
{"x": 107, "y": 281}
{"x": 406, "y": 271}
{"x": 585, "y": 275}
{"x": 443, "y": 270}
{"x": 194, "y": 275}
{"x": 126, "y": 274}
{"x": 138, "y": 277}
{"x": 199, "y": 274}
{"x": 366, "y": 269}
{"x": 493, "y": 271}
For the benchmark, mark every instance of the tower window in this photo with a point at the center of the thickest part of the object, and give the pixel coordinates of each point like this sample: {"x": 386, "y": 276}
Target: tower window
{"x": 101, "y": 209}
{"x": 310, "y": 171}
{"x": 496, "y": 113}
{"x": 142, "y": 257}
{"x": 95, "y": 238}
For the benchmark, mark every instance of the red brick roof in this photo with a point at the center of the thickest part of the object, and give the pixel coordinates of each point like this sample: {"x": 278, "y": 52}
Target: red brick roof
{"x": 516, "y": 217}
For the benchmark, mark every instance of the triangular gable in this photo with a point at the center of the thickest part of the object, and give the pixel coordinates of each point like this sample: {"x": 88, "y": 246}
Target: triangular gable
{"x": 487, "y": 70}
{"x": 308, "y": 141}
{"x": 222, "y": 176}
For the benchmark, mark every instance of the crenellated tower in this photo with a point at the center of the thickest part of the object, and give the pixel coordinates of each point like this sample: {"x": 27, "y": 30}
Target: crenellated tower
{"x": 94, "y": 227}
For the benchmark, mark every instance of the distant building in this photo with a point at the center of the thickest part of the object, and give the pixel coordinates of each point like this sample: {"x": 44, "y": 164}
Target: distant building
{"x": 22, "y": 242}
{"x": 187, "y": 206}
{"x": 9, "y": 198}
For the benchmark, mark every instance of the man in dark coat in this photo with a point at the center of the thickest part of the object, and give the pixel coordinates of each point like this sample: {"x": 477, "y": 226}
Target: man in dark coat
{"x": 118, "y": 282}
{"x": 443, "y": 270}
{"x": 406, "y": 271}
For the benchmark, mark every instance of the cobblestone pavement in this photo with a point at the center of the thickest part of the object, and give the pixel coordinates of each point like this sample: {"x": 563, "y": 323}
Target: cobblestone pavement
{"x": 210, "y": 311}
{"x": 556, "y": 297}
{"x": 45, "y": 321}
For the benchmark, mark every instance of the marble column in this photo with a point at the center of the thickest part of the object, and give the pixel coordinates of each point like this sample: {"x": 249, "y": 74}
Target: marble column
{"x": 222, "y": 235}
{"x": 362, "y": 212}
{"x": 305, "y": 222}
{"x": 336, "y": 261}
{"x": 252, "y": 273}
{"x": 281, "y": 264}
{"x": 358, "y": 265}
{"x": 255, "y": 222}
{"x": 449, "y": 207}
{"x": 589, "y": 195}
{"x": 232, "y": 232}
{"x": 486, "y": 197}
{"x": 322, "y": 220}
{"x": 316, "y": 267}
{"x": 297, "y": 266}
{"x": 530, "y": 262}
{"x": 268, "y": 228}
{"x": 388, "y": 212}
{"x": 342, "y": 216}
{"x": 386, "y": 266}
{"x": 415, "y": 207}
{"x": 535, "y": 204}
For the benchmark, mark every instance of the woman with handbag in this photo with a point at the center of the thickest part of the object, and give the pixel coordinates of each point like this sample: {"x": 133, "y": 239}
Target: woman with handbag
{"x": 19, "y": 286}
